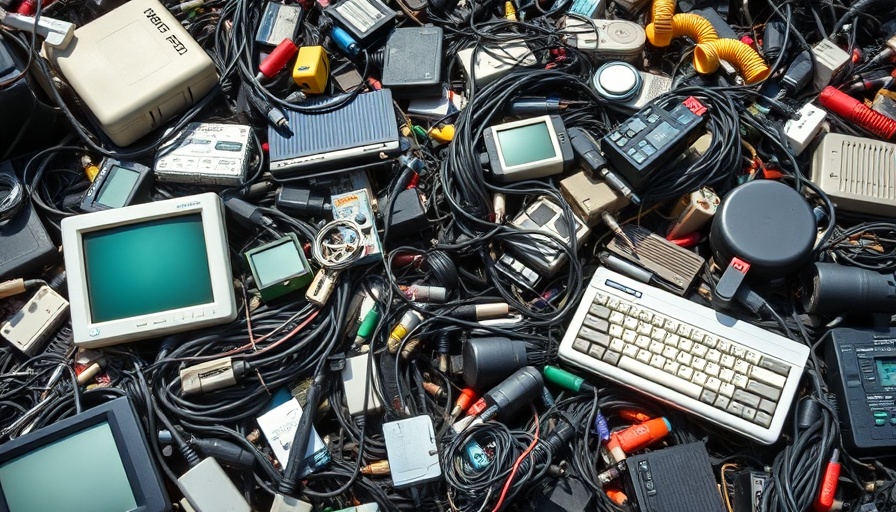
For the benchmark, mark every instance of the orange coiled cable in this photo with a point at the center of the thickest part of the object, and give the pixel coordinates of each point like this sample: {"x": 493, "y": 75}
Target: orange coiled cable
{"x": 742, "y": 56}
{"x": 660, "y": 28}
{"x": 694, "y": 26}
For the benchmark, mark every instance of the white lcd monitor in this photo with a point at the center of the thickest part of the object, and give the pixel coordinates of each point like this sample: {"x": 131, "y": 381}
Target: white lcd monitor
{"x": 148, "y": 270}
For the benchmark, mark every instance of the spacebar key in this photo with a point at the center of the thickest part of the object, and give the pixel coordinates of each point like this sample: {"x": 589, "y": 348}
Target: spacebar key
{"x": 662, "y": 378}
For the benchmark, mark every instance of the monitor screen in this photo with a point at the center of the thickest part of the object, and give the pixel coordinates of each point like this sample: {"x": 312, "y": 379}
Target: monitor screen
{"x": 147, "y": 267}
{"x": 278, "y": 263}
{"x": 148, "y": 270}
{"x": 82, "y": 471}
{"x": 526, "y": 144}
{"x": 117, "y": 187}
{"x": 886, "y": 371}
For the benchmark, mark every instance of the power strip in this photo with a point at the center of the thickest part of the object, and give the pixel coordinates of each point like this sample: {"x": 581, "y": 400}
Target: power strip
{"x": 858, "y": 174}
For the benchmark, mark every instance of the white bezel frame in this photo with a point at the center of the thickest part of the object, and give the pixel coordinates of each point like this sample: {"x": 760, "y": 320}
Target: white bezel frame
{"x": 222, "y": 309}
{"x": 531, "y": 170}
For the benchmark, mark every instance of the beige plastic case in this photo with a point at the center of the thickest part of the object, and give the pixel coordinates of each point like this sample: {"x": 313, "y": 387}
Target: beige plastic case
{"x": 135, "y": 68}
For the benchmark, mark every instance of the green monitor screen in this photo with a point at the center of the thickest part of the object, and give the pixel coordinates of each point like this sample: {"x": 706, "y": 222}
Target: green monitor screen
{"x": 526, "y": 144}
{"x": 84, "y": 471}
{"x": 147, "y": 267}
{"x": 117, "y": 187}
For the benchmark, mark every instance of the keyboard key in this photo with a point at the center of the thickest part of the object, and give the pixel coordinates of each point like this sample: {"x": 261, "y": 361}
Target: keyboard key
{"x": 581, "y": 345}
{"x": 752, "y": 357}
{"x": 727, "y": 389}
{"x": 686, "y": 372}
{"x": 612, "y": 357}
{"x": 746, "y": 398}
{"x": 671, "y": 367}
{"x": 594, "y": 336}
{"x": 768, "y": 377}
{"x": 699, "y": 364}
{"x": 708, "y": 396}
{"x": 682, "y": 386}
{"x": 767, "y": 406}
{"x": 727, "y": 361}
{"x": 672, "y": 340}
{"x": 764, "y": 390}
{"x": 670, "y": 352}
{"x": 699, "y": 378}
{"x": 617, "y": 345}
{"x": 598, "y": 324}
{"x": 726, "y": 375}
{"x": 763, "y": 419}
{"x": 742, "y": 366}
{"x": 699, "y": 350}
{"x": 599, "y": 311}
{"x": 642, "y": 342}
{"x": 774, "y": 366}
{"x": 644, "y": 356}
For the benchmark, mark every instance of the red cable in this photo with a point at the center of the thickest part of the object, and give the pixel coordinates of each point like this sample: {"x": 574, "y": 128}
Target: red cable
{"x": 516, "y": 466}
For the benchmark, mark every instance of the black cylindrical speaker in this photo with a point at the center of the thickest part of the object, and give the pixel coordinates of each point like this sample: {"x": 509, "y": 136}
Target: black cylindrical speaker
{"x": 488, "y": 361}
{"x": 830, "y": 288}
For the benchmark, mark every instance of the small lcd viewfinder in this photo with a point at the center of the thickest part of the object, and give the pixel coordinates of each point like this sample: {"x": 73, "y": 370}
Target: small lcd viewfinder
{"x": 528, "y": 149}
{"x": 117, "y": 184}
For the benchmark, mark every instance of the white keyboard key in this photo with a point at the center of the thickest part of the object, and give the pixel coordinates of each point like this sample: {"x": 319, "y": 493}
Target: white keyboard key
{"x": 770, "y": 378}
{"x": 741, "y": 366}
{"x": 616, "y": 345}
{"x": 664, "y": 379}
{"x": 643, "y": 356}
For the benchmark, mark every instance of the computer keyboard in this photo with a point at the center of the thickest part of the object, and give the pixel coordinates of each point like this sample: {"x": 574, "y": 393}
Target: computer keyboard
{"x": 724, "y": 370}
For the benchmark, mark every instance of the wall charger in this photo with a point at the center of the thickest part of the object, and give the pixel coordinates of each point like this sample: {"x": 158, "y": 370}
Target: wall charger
{"x": 32, "y": 326}
{"x": 412, "y": 451}
{"x": 135, "y": 68}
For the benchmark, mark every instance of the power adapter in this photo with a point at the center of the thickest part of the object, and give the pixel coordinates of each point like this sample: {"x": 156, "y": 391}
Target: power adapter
{"x": 412, "y": 65}
{"x": 408, "y": 216}
{"x": 26, "y": 245}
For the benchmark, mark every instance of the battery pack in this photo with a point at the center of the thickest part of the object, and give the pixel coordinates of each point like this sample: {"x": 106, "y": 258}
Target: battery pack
{"x": 312, "y": 69}
{"x": 206, "y": 154}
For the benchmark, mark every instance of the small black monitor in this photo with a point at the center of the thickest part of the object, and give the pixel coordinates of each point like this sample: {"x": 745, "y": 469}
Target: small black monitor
{"x": 96, "y": 461}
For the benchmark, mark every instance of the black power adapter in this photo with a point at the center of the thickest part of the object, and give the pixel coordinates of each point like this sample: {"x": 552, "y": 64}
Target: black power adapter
{"x": 412, "y": 64}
